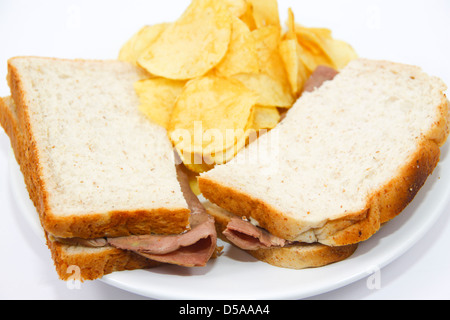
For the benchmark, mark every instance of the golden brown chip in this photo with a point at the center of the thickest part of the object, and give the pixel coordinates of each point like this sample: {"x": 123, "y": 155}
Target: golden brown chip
{"x": 265, "y": 118}
{"x": 340, "y": 53}
{"x": 271, "y": 93}
{"x": 157, "y": 98}
{"x": 247, "y": 17}
{"x": 237, "y": 7}
{"x": 193, "y": 183}
{"x": 241, "y": 56}
{"x": 271, "y": 63}
{"x": 249, "y": 134}
{"x": 140, "y": 41}
{"x": 267, "y": 42}
{"x": 290, "y": 33}
{"x": 194, "y": 162}
{"x": 265, "y": 13}
{"x": 193, "y": 45}
{"x": 290, "y": 53}
{"x": 209, "y": 113}
{"x": 321, "y": 49}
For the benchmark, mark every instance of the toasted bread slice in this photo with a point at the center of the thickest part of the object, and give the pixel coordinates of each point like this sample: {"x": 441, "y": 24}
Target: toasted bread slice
{"x": 95, "y": 165}
{"x": 348, "y": 156}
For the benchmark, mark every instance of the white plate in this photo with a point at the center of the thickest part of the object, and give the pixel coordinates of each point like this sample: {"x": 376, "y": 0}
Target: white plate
{"x": 237, "y": 275}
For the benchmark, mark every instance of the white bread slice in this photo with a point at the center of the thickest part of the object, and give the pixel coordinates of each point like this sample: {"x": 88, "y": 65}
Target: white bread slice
{"x": 95, "y": 165}
{"x": 299, "y": 256}
{"x": 71, "y": 262}
{"x": 348, "y": 156}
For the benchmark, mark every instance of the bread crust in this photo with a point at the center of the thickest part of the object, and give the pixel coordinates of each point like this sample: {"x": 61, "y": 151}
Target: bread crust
{"x": 91, "y": 265}
{"x": 300, "y": 256}
{"x": 113, "y": 223}
{"x": 383, "y": 204}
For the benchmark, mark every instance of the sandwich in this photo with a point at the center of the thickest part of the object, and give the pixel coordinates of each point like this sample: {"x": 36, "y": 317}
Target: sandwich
{"x": 105, "y": 181}
{"x": 350, "y": 155}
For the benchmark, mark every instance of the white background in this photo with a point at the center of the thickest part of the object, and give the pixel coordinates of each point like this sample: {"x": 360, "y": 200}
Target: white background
{"x": 415, "y": 32}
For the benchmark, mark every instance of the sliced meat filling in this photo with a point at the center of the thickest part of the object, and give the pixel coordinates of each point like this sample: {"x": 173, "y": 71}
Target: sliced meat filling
{"x": 246, "y": 236}
{"x": 191, "y": 249}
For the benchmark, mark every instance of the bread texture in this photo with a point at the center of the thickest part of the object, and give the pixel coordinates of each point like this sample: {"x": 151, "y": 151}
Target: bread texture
{"x": 299, "y": 256}
{"x": 94, "y": 165}
{"x": 348, "y": 156}
{"x": 71, "y": 262}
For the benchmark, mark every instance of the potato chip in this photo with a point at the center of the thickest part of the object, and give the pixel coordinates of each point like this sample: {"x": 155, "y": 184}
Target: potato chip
{"x": 193, "y": 183}
{"x": 271, "y": 63}
{"x": 194, "y": 162}
{"x": 224, "y": 156}
{"x": 157, "y": 98}
{"x": 322, "y": 32}
{"x": 241, "y": 56}
{"x": 267, "y": 41}
{"x": 290, "y": 33}
{"x": 309, "y": 61}
{"x": 205, "y": 113}
{"x": 247, "y": 17}
{"x": 297, "y": 73}
{"x": 236, "y": 7}
{"x": 265, "y": 13}
{"x": 340, "y": 53}
{"x": 314, "y": 48}
{"x": 140, "y": 41}
{"x": 321, "y": 48}
{"x": 193, "y": 45}
{"x": 265, "y": 118}
{"x": 270, "y": 92}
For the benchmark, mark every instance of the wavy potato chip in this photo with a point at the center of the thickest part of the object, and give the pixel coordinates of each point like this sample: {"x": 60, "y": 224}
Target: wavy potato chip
{"x": 199, "y": 163}
{"x": 140, "y": 41}
{"x": 340, "y": 53}
{"x": 241, "y": 56}
{"x": 157, "y": 98}
{"x": 236, "y": 7}
{"x": 265, "y": 13}
{"x": 296, "y": 71}
{"x": 193, "y": 183}
{"x": 194, "y": 162}
{"x": 265, "y": 118}
{"x": 224, "y": 156}
{"x": 267, "y": 41}
{"x": 247, "y": 17}
{"x": 321, "y": 49}
{"x": 271, "y": 93}
{"x": 193, "y": 45}
{"x": 290, "y": 33}
{"x": 312, "y": 52}
{"x": 271, "y": 63}
{"x": 209, "y": 115}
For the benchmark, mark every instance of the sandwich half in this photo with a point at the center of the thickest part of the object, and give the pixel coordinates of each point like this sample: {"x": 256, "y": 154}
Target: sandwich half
{"x": 348, "y": 156}
{"x": 99, "y": 173}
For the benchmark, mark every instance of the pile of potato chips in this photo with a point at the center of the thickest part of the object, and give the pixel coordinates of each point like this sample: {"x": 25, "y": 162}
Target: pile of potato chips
{"x": 225, "y": 69}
